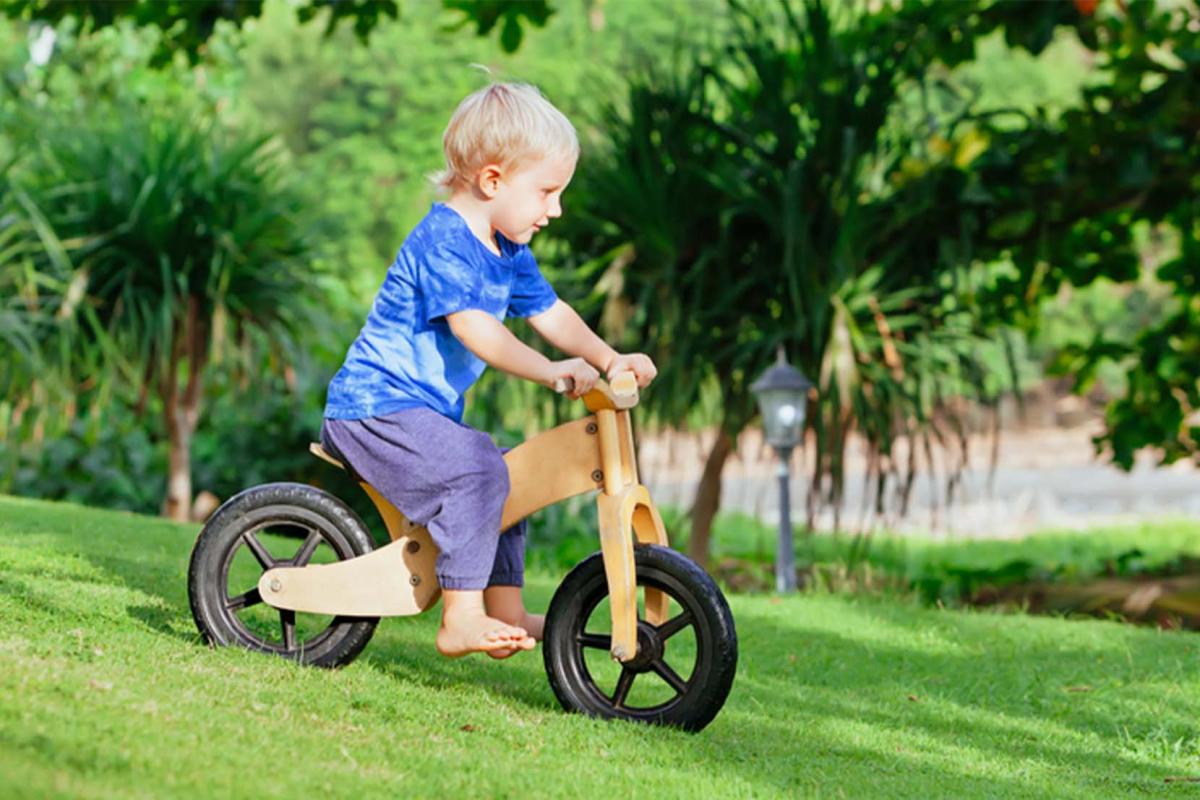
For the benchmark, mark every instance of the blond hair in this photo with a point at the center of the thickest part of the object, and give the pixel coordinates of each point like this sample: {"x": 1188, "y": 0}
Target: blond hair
{"x": 506, "y": 124}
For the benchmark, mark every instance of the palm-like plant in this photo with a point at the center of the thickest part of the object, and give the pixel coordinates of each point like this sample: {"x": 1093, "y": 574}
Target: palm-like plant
{"x": 148, "y": 243}
{"x": 762, "y": 198}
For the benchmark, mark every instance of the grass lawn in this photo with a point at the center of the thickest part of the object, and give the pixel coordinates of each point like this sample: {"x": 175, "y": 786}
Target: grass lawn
{"x": 107, "y": 691}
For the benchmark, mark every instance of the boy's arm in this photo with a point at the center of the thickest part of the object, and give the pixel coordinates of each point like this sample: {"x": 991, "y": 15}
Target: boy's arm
{"x": 561, "y": 326}
{"x": 486, "y": 337}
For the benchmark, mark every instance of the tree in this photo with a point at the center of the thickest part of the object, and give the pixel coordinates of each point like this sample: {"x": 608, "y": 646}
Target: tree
{"x": 783, "y": 190}
{"x": 355, "y": 126}
{"x": 187, "y": 25}
{"x": 765, "y": 195}
{"x": 1074, "y": 192}
{"x": 149, "y": 244}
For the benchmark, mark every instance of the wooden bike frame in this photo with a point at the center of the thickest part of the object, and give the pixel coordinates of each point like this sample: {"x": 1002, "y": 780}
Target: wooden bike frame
{"x": 596, "y": 452}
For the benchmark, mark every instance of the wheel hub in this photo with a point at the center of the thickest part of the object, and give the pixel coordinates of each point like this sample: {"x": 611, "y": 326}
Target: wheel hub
{"x": 650, "y": 649}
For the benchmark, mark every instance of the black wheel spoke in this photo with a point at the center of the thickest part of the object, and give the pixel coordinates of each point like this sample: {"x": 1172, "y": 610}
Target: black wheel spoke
{"x": 260, "y": 552}
{"x": 307, "y": 549}
{"x": 624, "y": 683}
{"x": 674, "y": 626}
{"x": 664, "y": 671}
{"x": 287, "y": 619}
{"x": 600, "y": 641}
{"x": 244, "y": 600}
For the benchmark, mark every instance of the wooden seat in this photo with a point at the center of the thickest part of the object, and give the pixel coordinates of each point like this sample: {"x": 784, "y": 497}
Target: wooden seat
{"x": 320, "y": 453}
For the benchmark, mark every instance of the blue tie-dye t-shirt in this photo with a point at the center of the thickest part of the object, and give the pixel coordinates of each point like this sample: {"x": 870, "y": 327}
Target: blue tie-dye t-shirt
{"x": 406, "y": 356}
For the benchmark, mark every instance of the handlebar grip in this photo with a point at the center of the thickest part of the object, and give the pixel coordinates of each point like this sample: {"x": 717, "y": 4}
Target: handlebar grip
{"x": 623, "y": 384}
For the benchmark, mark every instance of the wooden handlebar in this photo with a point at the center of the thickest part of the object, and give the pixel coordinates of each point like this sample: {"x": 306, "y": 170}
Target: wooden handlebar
{"x": 621, "y": 392}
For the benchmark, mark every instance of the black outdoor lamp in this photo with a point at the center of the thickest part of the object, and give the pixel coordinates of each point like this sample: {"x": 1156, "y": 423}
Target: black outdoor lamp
{"x": 782, "y": 393}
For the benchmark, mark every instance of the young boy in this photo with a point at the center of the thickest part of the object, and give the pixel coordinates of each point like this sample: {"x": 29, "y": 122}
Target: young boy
{"x": 394, "y": 409}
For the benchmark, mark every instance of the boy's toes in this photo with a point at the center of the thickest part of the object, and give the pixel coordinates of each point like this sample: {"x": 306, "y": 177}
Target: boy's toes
{"x": 502, "y": 642}
{"x": 511, "y": 633}
{"x": 526, "y": 643}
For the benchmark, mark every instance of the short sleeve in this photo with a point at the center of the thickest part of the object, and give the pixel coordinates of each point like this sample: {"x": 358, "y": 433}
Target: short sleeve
{"x": 448, "y": 283}
{"x": 532, "y": 293}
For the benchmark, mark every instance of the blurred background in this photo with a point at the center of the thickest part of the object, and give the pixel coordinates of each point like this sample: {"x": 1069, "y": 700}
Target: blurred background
{"x": 974, "y": 225}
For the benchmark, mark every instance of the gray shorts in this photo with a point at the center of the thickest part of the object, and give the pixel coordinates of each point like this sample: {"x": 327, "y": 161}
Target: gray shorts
{"x": 445, "y": 476}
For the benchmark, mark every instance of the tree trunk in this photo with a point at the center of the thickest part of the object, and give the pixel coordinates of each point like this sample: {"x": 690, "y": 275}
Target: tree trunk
{"x": 708, "y": 497}
{"x": 182, "y": 410}
{"x": 178, "y": 502}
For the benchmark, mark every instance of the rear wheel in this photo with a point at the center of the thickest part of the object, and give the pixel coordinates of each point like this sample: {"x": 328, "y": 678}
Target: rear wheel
{"x": 685, "y": 666}
{"x": 274, "y": 525}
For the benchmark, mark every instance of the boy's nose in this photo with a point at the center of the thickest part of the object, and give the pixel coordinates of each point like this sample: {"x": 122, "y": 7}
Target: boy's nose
{"x": 555, "y": 210}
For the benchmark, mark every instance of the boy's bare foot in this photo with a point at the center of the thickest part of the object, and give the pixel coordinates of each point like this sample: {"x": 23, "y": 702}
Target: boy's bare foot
{"x": 481, "y": 634}
{"x": 504, "y": 602}
{"x": 466, "y": 628}
{"x": 534, "y": 624}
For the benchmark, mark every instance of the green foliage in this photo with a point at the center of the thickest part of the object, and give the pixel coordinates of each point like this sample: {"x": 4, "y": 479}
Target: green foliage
{"x": 362, "y": 126}
{"x": 149, "y": 244}
{"x": 188, "y": 25}
{"x": 1075, "y": 324}
{"x": 1161, "y": 406}
{"x": 508, "y": 15}
{"x": 365, "y": 123}
{"x": 152, "y": 222}
{"x": 111, "y": 463}
{"x": 886, "y": 148}
{"x": 1076, "y": 191}
{"x": 773, "y": 192}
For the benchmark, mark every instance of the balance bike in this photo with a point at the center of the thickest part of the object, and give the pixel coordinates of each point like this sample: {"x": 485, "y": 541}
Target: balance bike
{"x": 637, "y": 611}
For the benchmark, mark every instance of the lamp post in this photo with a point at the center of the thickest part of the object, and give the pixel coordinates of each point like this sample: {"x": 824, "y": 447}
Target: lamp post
{"x": 782, "y": 394}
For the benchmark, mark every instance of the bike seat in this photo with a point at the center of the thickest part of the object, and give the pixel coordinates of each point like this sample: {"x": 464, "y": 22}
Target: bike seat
{"x": 322, "y": 454}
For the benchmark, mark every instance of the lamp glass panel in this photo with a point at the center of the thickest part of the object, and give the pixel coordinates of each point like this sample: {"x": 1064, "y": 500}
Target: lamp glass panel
{"x": 783, "y": 416}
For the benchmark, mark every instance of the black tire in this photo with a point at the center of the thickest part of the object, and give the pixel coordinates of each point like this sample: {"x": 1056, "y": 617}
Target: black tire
{"x": 697, "y": 697}
{"x": 232, "y": 532}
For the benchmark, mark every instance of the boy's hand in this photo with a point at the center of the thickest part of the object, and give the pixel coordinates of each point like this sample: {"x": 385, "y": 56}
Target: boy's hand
{"x": 637, "y": 363}
{"x": 582, "y": 376}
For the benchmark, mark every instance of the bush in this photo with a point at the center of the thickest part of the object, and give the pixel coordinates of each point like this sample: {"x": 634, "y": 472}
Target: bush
{"x": 113, "y": 462}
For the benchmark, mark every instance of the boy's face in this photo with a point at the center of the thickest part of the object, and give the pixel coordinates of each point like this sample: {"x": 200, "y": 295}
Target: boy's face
{"x": 528, "y": 197}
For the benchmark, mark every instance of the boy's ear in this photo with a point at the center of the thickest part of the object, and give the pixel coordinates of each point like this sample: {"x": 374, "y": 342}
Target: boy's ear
{"x": 488, "y": 180}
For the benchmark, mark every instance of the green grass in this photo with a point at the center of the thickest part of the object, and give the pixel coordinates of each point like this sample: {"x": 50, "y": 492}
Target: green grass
{"x": 106, "y": 691}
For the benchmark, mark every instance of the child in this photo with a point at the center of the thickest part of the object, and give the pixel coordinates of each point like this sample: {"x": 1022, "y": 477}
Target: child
{"x": 394, "y": 409}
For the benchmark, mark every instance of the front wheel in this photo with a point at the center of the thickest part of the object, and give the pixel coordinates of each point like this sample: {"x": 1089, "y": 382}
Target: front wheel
{"x": 685, "y": 666}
